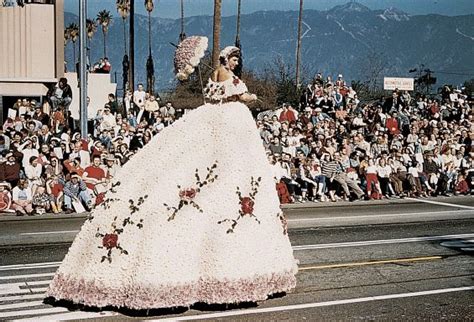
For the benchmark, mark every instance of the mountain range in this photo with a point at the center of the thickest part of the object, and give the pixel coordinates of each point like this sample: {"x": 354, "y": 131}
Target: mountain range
{"x": 350, "y": 39}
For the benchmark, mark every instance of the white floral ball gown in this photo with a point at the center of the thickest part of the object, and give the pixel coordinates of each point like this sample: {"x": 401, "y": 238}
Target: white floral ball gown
{"x": 193, "y": 217}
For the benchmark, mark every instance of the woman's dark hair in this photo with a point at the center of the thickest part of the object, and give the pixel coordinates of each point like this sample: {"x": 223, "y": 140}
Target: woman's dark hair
{"x": 234, "y": 53}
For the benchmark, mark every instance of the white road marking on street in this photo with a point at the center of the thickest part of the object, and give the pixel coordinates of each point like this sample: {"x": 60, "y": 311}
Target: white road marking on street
{"x": 18, "y": 290}
{"x": 29, "y": 266}
{"x": 381, "y": 242}
{"x": 25, "y": 267}
{"x": 38, "y": 282}
{"x": 11, "y": 288}
{"x": 33, "y": 312}
{"x": 71, "y": 316}
{"x": 317, "y": 304}
{"x": 50, "y": 232}
{"x": 16, "y": 277}
{"x": 441, "y": 203}
{"x": 22, "y": 297}
{"x": 20, "y": 305}
{"x": 384, "y": 215}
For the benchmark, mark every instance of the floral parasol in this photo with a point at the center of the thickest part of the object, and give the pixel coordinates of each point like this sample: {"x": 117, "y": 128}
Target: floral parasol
{"x": 188, "y": 55}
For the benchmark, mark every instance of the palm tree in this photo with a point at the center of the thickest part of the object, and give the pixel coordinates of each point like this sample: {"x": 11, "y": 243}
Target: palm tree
{"x": 150, "y": 70}
{"x": 104, "y": 18}
{"x": 91, "y": 29}
{"x": 73, "y": 30}
{"x": 216, "y": 33}
{"x": 123, "y": 8}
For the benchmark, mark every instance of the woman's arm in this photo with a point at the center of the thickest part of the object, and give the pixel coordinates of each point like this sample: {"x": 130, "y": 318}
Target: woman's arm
{"x": 247, "y": 97}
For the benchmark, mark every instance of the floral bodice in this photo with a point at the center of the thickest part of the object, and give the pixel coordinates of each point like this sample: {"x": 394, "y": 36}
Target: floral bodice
{"x": 218, "y": 91}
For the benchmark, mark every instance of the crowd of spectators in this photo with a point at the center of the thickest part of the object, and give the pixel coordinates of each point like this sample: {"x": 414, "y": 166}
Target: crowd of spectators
{"x": 330, "y": 147}
{"x": 333, "y": 147}
{"x": 45, "y": 165}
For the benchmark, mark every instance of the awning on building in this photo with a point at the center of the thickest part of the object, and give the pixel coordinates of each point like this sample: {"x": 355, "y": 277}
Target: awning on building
{"x": 22, "y": 89}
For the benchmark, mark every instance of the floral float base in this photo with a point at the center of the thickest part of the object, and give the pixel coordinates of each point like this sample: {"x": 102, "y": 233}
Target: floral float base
{"x": 93, "y": 293}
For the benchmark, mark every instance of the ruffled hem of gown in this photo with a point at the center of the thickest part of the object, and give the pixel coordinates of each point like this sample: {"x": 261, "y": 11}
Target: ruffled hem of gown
{"x": 205, "y": 290}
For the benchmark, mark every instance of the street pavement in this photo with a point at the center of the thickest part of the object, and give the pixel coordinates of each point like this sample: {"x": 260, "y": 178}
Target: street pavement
{"x": 357, "y": 261}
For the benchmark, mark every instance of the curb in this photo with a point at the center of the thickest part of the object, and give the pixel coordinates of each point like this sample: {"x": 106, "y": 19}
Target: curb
{"x": 404, "y": 201}
{"x": 8, "y": 217}
{"x": 13, "y": 218}
{"x": 311, "y": 204}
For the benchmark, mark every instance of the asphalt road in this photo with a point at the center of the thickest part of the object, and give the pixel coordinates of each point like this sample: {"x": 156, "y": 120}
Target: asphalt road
{"x": 63, "y": 228}
{"x": 371, "y": 271}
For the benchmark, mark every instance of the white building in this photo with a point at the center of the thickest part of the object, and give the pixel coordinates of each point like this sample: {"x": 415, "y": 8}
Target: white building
{"x": 31, "y": 49}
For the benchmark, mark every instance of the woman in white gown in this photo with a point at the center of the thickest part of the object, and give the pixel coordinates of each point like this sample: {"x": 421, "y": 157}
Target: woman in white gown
{"x": 193, "y": 217}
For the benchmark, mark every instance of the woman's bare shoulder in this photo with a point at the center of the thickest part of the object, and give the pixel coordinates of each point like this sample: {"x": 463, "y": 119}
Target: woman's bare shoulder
{"x": 221, "y": 74}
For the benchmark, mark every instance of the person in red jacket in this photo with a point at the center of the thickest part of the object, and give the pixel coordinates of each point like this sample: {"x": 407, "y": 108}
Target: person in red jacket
{"x": 94, "y": 175}
{"x": 10, "y": 170}
{"x": 461, "y": 186}
{"x": 287, "y": 115}
{"x": 392, "y": 124}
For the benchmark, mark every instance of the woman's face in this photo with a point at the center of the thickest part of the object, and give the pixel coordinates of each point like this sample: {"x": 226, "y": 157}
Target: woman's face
{"x": 233, "y": 62}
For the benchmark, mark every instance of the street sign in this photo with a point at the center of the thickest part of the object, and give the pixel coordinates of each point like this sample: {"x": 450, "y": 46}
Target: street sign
{"x": 404, "y": 84}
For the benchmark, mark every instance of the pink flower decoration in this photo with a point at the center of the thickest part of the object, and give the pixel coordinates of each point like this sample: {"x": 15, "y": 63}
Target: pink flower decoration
{"x": 247, "y": 205}
{"x": 110, "y": 241}
{"x": 188, "y": 194}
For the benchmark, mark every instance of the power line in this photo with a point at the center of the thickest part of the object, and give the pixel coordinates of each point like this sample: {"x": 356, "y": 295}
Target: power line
{"x": 453, "y": 73}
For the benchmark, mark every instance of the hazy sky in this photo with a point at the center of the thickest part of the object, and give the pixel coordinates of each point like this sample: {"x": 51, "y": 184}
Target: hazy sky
{"x": 171, "y": 8}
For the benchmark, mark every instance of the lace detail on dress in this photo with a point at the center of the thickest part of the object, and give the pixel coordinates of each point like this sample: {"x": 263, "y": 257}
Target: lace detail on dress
{"x": 217, "y": 91}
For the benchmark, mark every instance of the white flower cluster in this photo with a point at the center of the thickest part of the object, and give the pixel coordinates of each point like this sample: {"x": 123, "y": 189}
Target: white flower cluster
{"x": 188, "y": 55}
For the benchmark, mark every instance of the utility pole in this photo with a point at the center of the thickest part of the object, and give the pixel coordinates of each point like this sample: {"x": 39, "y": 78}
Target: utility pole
{"x": 298, "y": 47}
{"x": 131, "y": 79}
{"x": 216, "y": 33}
{"x": 83, "y": 67}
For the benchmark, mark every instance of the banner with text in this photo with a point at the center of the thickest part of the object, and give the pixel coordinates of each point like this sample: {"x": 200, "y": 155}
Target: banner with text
{"x": 403, "y": 84}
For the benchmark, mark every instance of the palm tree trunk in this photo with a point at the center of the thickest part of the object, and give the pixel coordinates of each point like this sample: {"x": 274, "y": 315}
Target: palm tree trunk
{"x": 237, "y": 34}
{"x": 238, "y": 69}
{"x": 105, "y": 44}
{"x": 298, "y": 47}
{"x": 150, "y": 70}
{"x": 131, "y": 46}
{"x": 182, "y": 34}
{"x": 149, "y": 33}
{"x": 88, "y": 53}
{"x": 74, "y": 54}
{"x": 216, "y": 33}
{"x": 124, "y": 36}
